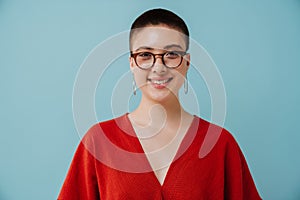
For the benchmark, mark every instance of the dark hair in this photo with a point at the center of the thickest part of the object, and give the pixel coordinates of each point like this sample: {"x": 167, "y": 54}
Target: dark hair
{"x": 160, "y": 16}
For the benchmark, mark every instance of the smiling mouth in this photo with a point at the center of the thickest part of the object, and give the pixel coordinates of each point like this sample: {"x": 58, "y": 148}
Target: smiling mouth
{"x": 160, "y": 82}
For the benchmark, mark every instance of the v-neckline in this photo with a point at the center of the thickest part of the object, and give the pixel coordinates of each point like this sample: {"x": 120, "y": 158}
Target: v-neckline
{"x": 177, "y": 154}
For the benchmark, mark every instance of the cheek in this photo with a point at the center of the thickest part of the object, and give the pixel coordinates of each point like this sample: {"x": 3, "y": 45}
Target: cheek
{"x": 180, "y": 77}
{"x": 182, "y": 71}
{"x": 140, "y": 77}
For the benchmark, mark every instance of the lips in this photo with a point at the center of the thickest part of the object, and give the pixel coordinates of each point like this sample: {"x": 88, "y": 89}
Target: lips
{"x": 159, "y": 83}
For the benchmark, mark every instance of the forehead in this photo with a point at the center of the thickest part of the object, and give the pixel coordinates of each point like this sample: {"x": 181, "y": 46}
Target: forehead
{"x": 158, "y": 37}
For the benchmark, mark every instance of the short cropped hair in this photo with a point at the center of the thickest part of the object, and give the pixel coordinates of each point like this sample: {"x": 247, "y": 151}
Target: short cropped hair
{"x": 160, "y": 16}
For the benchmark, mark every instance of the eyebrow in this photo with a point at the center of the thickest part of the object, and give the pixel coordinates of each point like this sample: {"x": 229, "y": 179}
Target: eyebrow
{"x": 166, "y": 47}
{"x": 144, "y": 47}
{"x": 172, "y": 46}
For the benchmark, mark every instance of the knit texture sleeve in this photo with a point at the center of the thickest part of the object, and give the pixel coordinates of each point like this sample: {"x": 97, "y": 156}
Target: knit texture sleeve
{"x": 81, "y": 180}
{"x": 239, "y": 184}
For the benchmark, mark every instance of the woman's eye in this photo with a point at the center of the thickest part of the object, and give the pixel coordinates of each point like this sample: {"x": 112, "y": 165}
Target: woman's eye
{"x": 172, "y": 54}
{"x": 145, "y": 55}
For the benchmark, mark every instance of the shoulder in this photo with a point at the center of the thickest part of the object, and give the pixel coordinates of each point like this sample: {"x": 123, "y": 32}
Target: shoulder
{"x": 111, "y": 124}
{"x": 215, "y": 138}
{"x": 224, "y": 134}
{"x": 112, "y": 130}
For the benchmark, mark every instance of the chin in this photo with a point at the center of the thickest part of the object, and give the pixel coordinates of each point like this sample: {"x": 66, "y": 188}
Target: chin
{"x": 160, "y": 96}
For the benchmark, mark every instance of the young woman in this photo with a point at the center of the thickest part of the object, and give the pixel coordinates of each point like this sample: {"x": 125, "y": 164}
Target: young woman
{"x": 153, "y": 152}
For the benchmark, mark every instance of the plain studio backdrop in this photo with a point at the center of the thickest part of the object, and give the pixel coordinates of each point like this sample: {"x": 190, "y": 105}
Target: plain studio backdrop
{"x": 254, "y": 44}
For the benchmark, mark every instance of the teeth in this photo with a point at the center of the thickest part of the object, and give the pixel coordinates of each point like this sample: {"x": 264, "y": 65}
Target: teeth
{"x": 159, "y": 82}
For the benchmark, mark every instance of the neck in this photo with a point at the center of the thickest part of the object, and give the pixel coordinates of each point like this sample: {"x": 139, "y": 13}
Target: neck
{"x": 169, "y": 111}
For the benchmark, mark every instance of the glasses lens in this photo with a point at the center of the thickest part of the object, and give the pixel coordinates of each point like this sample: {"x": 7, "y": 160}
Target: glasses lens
{"x": 172, "y": 59}
{"x": 145, "y": 60}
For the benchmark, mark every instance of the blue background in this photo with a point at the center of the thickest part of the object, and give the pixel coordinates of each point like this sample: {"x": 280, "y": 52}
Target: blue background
{"x": 255, "y": 44}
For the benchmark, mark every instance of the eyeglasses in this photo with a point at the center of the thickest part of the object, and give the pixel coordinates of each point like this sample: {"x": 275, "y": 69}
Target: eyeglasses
{"x": 170, "y": 59}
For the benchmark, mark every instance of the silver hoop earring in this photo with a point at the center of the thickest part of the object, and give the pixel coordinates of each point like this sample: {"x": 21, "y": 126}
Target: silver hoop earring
{"x": 134, "y": 86}
{"x": 186, "y": 85}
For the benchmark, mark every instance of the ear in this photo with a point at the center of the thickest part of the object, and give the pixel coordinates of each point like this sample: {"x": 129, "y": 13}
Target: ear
{"x": 187, "y": 59}
{"x": 131, "y": 62}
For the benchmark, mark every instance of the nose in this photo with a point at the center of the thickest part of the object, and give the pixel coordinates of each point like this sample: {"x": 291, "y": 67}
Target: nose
{"x": 158, "y": 65}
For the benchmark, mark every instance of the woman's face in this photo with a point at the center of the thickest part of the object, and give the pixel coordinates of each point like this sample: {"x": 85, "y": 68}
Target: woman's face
{"x": 159, "y": 83}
